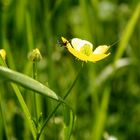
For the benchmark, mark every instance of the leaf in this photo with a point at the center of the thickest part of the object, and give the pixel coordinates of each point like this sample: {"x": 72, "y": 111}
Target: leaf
{"x": 28, "y": 82}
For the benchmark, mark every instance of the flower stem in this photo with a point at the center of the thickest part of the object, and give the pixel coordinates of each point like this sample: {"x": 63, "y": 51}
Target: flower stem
{"x": 34, "y": 94}
{"x": 57, "y": 106}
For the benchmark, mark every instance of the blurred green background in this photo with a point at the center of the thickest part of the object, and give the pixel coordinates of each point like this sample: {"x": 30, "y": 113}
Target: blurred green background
{"x": 106, "y": 97}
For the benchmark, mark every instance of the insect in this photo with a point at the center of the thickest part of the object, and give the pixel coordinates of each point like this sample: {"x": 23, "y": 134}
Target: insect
{"x": 83, "y": 49}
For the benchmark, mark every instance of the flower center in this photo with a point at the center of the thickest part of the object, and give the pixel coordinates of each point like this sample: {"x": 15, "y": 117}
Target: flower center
{"x": 86, "y": 49}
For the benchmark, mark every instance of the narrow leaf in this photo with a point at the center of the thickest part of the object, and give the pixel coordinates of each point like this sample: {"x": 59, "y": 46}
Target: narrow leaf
{"x": 28, "y": 82}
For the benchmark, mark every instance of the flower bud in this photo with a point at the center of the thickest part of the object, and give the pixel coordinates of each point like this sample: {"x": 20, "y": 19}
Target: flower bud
{"x": 35, "y": 55}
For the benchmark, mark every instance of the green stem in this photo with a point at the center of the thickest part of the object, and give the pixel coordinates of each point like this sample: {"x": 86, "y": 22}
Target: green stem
{"x": 57, "y": 106}
{"x": 35, "y": 70}
{"x": 34, "y": 94}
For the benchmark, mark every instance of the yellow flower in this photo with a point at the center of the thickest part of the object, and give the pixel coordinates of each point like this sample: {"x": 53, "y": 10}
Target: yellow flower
{"x": 3, "y": 53}
{"x": 83, "y": 50}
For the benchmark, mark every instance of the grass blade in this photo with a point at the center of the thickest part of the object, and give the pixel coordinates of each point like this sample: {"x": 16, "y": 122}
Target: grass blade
{"x": 100, "y": 119}
{"x": 128, "y": 32}
{"x": 68, "y": 123}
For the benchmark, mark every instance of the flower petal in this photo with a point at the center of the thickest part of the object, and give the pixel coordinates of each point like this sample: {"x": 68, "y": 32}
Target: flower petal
{"x": 102, "y": 49}
{"x": 64, "y": 40}
{"x": 76, "y": 53}
{"x": 97, "y": 57}
{"x": 3, "y": 53}
{"x": 78, "y": 43}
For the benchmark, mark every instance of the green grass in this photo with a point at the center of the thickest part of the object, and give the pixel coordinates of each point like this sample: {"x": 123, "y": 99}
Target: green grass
{"x": 103, "y": 97}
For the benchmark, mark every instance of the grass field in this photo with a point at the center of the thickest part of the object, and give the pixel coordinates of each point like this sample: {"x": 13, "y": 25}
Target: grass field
{"x": 47, "y": 93}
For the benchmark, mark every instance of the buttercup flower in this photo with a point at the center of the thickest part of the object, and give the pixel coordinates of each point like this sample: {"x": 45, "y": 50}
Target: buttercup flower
{"x": 83, "y": 50}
